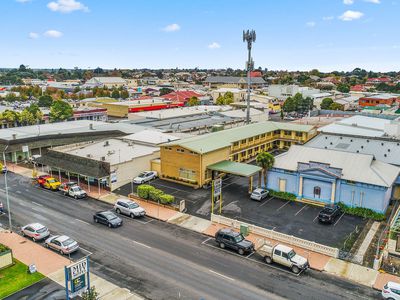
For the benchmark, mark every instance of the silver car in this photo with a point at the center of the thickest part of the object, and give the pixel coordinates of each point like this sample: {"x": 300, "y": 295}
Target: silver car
{"x": 62, "y": 244}
{"x": 129, "y": 208}
{"x": 145, "y": 177}
{"x": 35, "y": 231}
{"x": 259, "y": 194}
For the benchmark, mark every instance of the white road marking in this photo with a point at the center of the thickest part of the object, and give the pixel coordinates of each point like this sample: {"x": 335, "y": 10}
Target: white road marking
{"x": 338, "y": 219}
{"x": 3, "y": 190}
{"x": 222, "y": 275}
{"x": 250, "y": 254}
{"x": 206, "y": 240}
{"x": 84, "y": 222}
{"x": 143, "y": 222}
{"x": 38, "y": 204}
{"x": 283, "y": 206}
{"x": 87, "y": 251}
{"x": 266, "y": 201}
{"x": 35, "y": 209}
{"x": 141, "y": 244}
{"x": 300, "y": 210}
{"x": 315, "y": 218}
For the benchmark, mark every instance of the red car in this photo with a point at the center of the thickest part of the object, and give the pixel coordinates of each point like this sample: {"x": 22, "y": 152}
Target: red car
{"x": 41, "y": 179}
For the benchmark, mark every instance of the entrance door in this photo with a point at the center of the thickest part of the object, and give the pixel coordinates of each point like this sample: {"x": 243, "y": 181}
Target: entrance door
{"x": 282, "y": 185}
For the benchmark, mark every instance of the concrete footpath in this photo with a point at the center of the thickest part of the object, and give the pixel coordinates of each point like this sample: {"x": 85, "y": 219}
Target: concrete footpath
{"x": 320, "y": 262}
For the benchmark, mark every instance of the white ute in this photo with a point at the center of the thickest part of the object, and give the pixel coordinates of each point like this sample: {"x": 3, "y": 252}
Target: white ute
{"x": 283, "y": 255}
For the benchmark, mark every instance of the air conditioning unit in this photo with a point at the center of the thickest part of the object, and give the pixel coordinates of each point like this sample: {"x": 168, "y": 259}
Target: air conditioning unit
{"x": 106, "y": 143}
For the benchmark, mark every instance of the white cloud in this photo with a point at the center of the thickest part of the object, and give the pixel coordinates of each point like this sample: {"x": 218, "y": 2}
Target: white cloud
{"x": 328, "y": 18}
{"x": 33, "y": 35}
{"x": 311, "y": 24}
{"x": 67, "y": 6}
{"x": 373, "y": 1}
{"x": 171, "y": 27}
{"x": 348, "y": 2}
{"x": 23, "y": 1}
{"x": 214, "y": 45}
{"x": 351, "y": 15}
{"x": 53, "y": 34}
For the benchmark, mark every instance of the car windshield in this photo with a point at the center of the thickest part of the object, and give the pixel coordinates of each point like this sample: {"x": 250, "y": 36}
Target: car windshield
{"x": 291, "y": 254}
{"x": 52, "y": 180}
{"x": 76, "y": 188}
{"x": 68, "y": 242}
{"x": 133, "y": 205}
{"x": 328, "y": 210}
{"x": 256, "y": 193}
{"x": 41, "y": 230}
{"x": 239, "y": 238}
{"x": 142, "y": 175}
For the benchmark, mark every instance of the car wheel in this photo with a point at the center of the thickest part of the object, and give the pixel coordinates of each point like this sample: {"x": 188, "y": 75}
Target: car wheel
{"x": 95, "y": 219}
{"x": 241, "y": 251}
{"x": 34, "y": 240}
{"x": 22, "y": 233}
{"x": 61, "y": 252}
{"x": 118, "y": 211}
{"x": 295, "y": 269}
{"x": 76, "y": 197}
{"x": 268, "y": 260}
{"x": 46, "y": 245}
{"x": 222, "y": 245}
{"x": 109, "y": 225}
{"x": 132, "y": 216}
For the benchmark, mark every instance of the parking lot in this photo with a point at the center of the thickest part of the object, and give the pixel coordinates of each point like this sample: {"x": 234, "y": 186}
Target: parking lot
{"x": 288, "y": 217}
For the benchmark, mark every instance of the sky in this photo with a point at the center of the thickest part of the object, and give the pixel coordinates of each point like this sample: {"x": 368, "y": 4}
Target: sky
{"x": 293, "y": 35}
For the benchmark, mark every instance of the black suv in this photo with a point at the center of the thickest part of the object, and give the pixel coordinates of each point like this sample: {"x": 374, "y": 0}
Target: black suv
{"x": 234, "y": 240}
{"x": 329, "y": 214}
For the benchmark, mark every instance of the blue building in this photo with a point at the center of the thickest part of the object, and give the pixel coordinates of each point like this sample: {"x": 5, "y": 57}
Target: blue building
{"x": 330, "y": 176}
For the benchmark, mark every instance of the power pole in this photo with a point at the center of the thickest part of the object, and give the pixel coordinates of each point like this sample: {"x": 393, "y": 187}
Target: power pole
{"x": 249, "y": 36}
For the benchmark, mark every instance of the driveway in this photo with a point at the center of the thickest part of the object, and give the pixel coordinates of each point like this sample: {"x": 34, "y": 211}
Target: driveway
{"x": 288, "y": 217}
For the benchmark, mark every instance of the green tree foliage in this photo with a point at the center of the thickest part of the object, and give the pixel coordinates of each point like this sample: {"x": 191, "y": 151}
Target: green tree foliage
{"x": 383, "y": 87}
{"x": 60, "y": 111}
{"x": 124, "y": 94}
{"x": 336, "y": 106}
{"x": 326, "y": 103}
{"x": 11, "y": 97}
{"x": 265, "y": 160}
{"x": 298, "y": 103}
{"x": 10, "y": 116}
{"x": 225, "y": 99}
{"x": 343, "y": 88}
{"x": 193, "y": 101}
{"x": 45, "y": 101}
{"x": 115, "y": 94}
{"x": 164, "y": 91}
{"x": 90, "y": 294}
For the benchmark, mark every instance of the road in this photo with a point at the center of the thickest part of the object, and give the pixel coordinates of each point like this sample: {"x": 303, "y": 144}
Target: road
{"x": 162, "y": 261}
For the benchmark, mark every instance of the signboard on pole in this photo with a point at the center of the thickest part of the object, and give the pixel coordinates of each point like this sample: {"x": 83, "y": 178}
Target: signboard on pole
{"x": 217, "y": 187}
{"x": 25, "y": 149}
{"x": 77, "y": 278}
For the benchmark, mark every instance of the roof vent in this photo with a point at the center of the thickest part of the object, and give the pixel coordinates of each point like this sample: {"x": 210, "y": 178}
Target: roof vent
{"x": 91, "y": 126}
{"x": 358, "y": 151}
{"x": 103, "y": 158}
{"x": 326, "y": 147}
{"x": 351, "y": 140}
{"x": 385, "y": 155}
{"x": 326, "y": 137}
{"x": 331, "y": 143}
{"x": 14, "y": 136}
{"x": 340, "y": 138}
{"x": 382, "y": 144}
{"x": 106, "y": 143}
{"x": 367, "y": 141}
{"x": 88, "y": 155}
{"x": 388, "y": 150}
{"x": 362, "y": 147}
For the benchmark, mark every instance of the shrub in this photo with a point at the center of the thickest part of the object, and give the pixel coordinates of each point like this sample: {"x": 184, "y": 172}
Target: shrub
{"x": 155, "y": 194}
{"x": 362, "y": 212}
{"x": 144, "y": 190}
{"x": 167, "y": 199}
{"x": 3, "y": 248}
{"x": 283, "y": 195}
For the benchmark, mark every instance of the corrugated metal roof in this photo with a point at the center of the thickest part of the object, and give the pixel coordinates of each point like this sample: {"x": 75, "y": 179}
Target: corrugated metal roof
{"x": 232, "y": 79}
{"x": 232, "y": 167}
{"x": 355, "y": 167}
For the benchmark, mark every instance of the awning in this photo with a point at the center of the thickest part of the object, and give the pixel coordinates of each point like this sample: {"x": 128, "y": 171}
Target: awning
{"x": 235, "y": 168}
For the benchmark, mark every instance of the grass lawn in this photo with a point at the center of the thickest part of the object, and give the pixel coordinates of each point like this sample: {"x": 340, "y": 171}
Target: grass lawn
{"x": 16, "y": 277}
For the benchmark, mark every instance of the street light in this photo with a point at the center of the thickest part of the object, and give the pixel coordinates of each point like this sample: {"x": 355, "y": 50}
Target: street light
{"x": 5, "y": 183}
{"x": 249, "y": 36}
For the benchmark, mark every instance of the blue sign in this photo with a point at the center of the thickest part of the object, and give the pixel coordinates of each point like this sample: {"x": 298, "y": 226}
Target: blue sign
{"x": 77, "y": 279}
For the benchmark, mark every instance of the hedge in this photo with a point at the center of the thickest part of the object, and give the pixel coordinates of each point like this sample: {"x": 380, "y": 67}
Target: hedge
{"x": 166, "y": 199}
{"x": 283, "y": 195}
{"x": 362, "y": 212}
{"x": 155, "y": 194}
{"x": 143, "y": 190}
{"x": 146, "y": 191}
{"x": 3, "y": 248}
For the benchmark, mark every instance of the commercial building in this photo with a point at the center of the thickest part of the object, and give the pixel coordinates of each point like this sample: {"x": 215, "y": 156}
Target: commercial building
{"x": 193, "y": 160}
{"x": 238, "y": 94}
{"x": 381, "y": 99}
{"x": 282, "y": 91}
{"x": 109, "y": 82}
{"x": 233, "y": 82}
{"x": 330, "y": 176}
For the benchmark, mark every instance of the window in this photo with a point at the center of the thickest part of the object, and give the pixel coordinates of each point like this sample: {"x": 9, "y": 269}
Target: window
{"x": 299, "y": 134}
{"x": 251, "y": 140}
{"x": 284, "y": 255}
{"x": 257, "y": 137}
{"x": 263, "y": 135}
{"x": 278, "y": 252}
{"x": 235, "y": 144}
{"x": 180, "y": 150}
{"x": 277, "y": 132}
{"x": 187, "y": 174}
{"x": 286, "y": 132}
{"x": 317, "y": 192}
{"x": 243, "y": 142}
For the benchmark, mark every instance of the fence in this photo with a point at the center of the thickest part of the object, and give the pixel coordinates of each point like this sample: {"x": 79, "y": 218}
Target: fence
{"x": 281, "y": 237}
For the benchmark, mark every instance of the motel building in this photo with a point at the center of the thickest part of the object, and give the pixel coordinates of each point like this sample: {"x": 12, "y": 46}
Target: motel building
{"x": 196, "y": 161}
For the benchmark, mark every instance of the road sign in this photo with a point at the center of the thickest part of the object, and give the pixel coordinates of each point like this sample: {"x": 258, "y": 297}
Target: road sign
{"x": 25, "y": 149}
{"x": 217, "y": 187}
{"x": 77, "y": 278}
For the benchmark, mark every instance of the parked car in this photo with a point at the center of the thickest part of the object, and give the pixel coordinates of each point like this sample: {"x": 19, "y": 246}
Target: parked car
{"x": 35, "y": 231}
{"x": 227, "y": 238}
{"x": 76, "y": 192}
{"x": 391, "y": 290}
{"x": 33, "y": 158}
{"x": 62, "y": 244}
{"x": 1, "y": 208}
{"x": 107, "y": 218}
{"x": 329, "y": 214}
{"x": 65, "y": 186}
{"x": 129, "y": 208}
{"x": 285, "y": 256}
{"x": 41, "y": 179}
{"x": 259, "y": 194}
{"x": 51, "y": 183}
{"x": 145, "y": 177}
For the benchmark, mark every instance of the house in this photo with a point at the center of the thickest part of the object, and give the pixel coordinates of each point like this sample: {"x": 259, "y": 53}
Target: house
{"x": 234, "y": 82}
{"x": 380, "y": 99}
{"x": 323, "y": 176}
{"x": 238, "y": 94}
{"x": 181, "y": 96}
{"x": 282, "y": 91}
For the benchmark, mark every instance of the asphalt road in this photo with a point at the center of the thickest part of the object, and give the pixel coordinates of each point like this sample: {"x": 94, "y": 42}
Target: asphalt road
{"x": 162, "y": 261}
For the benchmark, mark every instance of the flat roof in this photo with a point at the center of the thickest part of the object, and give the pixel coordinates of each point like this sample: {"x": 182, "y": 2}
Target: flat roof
{"x": 235, "y": 168}
{"x": 150, "y": 136}
{"x": 224, "y": 138}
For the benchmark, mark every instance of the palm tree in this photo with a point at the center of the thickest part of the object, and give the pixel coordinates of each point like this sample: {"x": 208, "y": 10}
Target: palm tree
{"x": 265, "y": 160}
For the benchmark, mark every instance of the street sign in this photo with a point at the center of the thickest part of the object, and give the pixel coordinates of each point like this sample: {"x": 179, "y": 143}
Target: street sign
{"x": 77, "y": 278}
{"x": 217, "y": 187}
{"x": 78, "y": 269}
{"x": 25, "y": 149}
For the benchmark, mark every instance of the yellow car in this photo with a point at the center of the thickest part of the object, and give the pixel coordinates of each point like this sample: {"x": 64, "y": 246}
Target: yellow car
{"x": 51, "y": 183}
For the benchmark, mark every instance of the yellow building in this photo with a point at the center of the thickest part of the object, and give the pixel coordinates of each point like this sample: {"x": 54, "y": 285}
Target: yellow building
{"x": 190, "y": 160}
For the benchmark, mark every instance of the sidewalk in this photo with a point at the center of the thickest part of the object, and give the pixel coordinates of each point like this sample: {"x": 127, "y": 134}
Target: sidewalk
{"x": 52, "y": 265}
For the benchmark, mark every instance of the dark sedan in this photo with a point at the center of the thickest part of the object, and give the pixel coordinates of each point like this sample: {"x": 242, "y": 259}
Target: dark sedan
{"x": 329, "y": 214}
{"x": 107, "y": 218}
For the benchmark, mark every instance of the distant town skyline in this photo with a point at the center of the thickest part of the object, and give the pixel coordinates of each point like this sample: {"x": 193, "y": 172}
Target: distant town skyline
{"x": 291, "y": 35}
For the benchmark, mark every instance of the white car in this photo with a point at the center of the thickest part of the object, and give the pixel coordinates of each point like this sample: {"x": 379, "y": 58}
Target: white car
{"x": 129, "y": 208}
{"x": 62, "y": 244}
{"x": 35, "y": 231}
{"x": 259, "y": 194}
{"x": 391, "y": 290}
{"x": 76, "y": 192}
{"x": 145, "y": 177}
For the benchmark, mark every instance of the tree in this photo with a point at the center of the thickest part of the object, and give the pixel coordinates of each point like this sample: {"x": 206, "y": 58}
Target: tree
{"x": 326, "y": 103}
{"x": 45, "y": 101}
{"x": 265, "y": 160}
{"x": 220, "y": 100}
{"x": 35, "y": 111}
{"x": 336, "y": 106}
{"x": 164, "y": 91}
{"x": 193, "y": 101}
{"x": 343, "y": 88}
{"x": 60, "y": 111}
{"x": 26, "y": 118}
{"x": 11, "y": 97}
{"x": 289, "y": 105}
{"x": 124, "y": 94}
{"x": 115, "y": 94}
{"x": 90, "y": 294}
{"x": 10, "y": 116}
{"x": 22, "y": 68}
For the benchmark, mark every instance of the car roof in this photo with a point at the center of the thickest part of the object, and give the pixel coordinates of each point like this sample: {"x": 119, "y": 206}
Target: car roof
{"x": 394, "y": 285}
{"x": 125, "y": 200}
{"x": 62, "y": 238}
{"x": 228, "y": 231}
{"x": 36, "y": 225}
{"x": 259, "y": 190}
{"x": 283, "y": 248}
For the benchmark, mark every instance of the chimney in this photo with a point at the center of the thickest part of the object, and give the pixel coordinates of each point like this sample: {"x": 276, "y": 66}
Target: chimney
{"x": 91, "y": 126}
{"x": 103, "y": 158}
{"x": 106, "y": 143}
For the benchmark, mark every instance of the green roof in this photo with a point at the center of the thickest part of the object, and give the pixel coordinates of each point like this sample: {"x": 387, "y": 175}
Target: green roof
{"x": 224, "y": 138}
{"x": 235, "y": 168}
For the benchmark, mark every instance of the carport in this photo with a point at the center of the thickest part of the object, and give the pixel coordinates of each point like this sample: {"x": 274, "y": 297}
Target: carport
{"x": 236, "y": 168}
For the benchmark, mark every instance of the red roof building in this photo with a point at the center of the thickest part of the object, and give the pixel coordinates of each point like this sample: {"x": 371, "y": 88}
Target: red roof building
{"x": 378, "y": 80}
{"x": 358, "y": 88}
{"x": 181, "y": 96}
{"x": 255, "y": 74}
{"x": 382, "y": 99}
